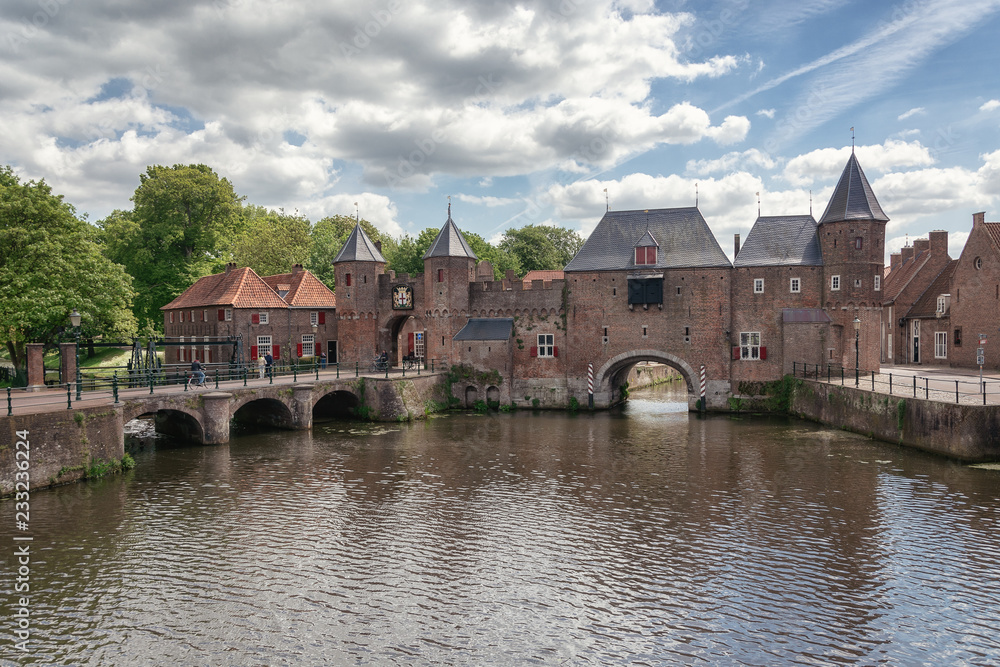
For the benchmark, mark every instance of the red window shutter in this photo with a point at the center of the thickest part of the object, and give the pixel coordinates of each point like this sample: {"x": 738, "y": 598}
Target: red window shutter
{"x": 640, "y": 256}
{"x": 409, "y": 343}
{"x": 555, "y": 350}
{"x": 319, "y": 349}
{"x": 322, "y": 317}
{"x": 253, "y": 353}
{"x": 255, "y": 318}
{"x": 763, "y": 352}
{"x": 347, "y": 279}
{"x": 222, "y": 314}
{"x": 276, "y": 351}
{"x": 651, "y": 254}
{"x": 298, "y": 349}
{"x": 736, "y": 352}
{"x": 534, "y": 351}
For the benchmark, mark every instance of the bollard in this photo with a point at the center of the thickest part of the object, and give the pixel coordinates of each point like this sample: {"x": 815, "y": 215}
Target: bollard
{"x": 69, "y": 396}
{"x": 10, "y": 406}
{"x": 338, "y": 370}
{"x": 357, "y": 370}
{"x": 244, "y": 377}
{"x": 114, "y": 386}
{"x": 270, "y": 374}
{"x": 927, "y": 388}
{"x": 890, "y": 384}
{"x": 873, "y": 380}
{"x": 914, "y": 386}
{"x": 386, "y": 370}
{"x": 295, "y": 372}
{"x": 957, "y": 400}
{"x": 216, "y": 378}
{"x": 150, "y": 382}
{"x": 317, "y": 370}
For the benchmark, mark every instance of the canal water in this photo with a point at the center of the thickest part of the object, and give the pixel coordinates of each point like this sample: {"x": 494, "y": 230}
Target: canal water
{"x": 643, "y": 536}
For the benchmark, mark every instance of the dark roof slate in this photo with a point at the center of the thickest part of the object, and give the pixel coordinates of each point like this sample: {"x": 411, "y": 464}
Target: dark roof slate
{"x": 781, "y": 240}
{"x": 683, "y": 236}
{"x": 450, "y": 243}
{"x": 853, "y": 198}
{"x": 359, "y": 248}
{"x": 901, "y": 275}
{"x": 486, "y": 328}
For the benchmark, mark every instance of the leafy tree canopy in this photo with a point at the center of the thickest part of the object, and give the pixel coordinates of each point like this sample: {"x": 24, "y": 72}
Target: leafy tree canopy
{"x": 271, "y": 242}
{"x": 50, "y": 264}
{"x": 541, "y": 247}
{"x": 180, "y": 229}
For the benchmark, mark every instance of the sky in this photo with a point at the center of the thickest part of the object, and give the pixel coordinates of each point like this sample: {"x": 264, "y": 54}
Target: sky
{"x": 529, "y": 112}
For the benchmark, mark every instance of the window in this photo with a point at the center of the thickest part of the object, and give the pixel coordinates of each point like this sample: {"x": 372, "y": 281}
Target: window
{"x": 440, "y": 275}
{"x": 795, "y": 286}
{"x": 758, "y": 285}
{"x": 192, "y": 316}
{"x": 263, "y": 318}
{"x": 204, "y": 316}
{"x": 313, "y": 319}
{"x": 308, "y": 345}
{"x": 941, "y": 345}
{"x": 347, "y": 280}
{"x": 978, "y": 263}
{"x": 835, "y": 283}
{"x": 418, "y": 344}
{"x": 940, "y": 305}
{"x": 182, "y": 315}
{"x": 645, "y": 290}
{"x": 878, "y": 283}
{"x": 546, "y": 345}
{"x": 645, "y": 333}
{"x": 750, "y": 345}
{"x": 171, "y": 317}
{"x": 958, "y": 337}
{"x": 645, "y": 255}
{"x": 857, "y": 283}
{"x": 858, "y": 243}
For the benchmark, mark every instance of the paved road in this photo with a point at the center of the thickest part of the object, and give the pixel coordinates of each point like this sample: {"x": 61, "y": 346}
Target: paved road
{"x": 949, "y": 385}
{"x": 23, "y": 402}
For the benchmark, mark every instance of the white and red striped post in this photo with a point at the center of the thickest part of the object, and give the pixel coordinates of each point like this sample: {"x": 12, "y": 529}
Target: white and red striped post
{"x": 590, "y": 385}
{"x": 703, "y": 387}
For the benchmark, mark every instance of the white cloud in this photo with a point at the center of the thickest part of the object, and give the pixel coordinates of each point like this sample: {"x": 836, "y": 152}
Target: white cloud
{"x": 767, "y": 113}
{"x": 990, "y": 105}
{"x": 731, "y": 162}
{"x": 376, "y": 209}
{"x": 916, "y": 111}
{"x": 489, "y": 202}
{"x": 828, "y": 163}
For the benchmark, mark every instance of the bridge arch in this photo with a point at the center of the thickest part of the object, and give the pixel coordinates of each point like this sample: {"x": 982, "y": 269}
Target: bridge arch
{"x": 606, "y": 378}
{"x": 339, "y": 404}
{"x": 172, "y": 421}
{"x": 263, "y": 411}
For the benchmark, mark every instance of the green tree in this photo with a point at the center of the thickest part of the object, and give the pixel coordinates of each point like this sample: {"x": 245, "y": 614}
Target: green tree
{"x": 50, "y": 264}
{"x": 408, "y": 254}
{"x": 328, "y": 237}
{"x": 179, "y": 230}
{"x": 501, "y": 259}
{"x": 271, "y": 242}
{"x": 541, "y": 247}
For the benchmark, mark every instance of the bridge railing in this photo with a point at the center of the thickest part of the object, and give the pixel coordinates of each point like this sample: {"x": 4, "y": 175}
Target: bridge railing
{"x": 963, "y": 389}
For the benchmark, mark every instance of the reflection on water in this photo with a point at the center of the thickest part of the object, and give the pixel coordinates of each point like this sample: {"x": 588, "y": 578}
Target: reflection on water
{"x": 639, "y": 536}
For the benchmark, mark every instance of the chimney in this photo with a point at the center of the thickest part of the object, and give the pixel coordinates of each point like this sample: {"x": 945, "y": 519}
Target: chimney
{"x": 895, "y": 259}
{"x": 296, "y": 268}
{"x": 978, "y": 218}
{"x": 939, "y": 243}
{"x": 736, "y": 245}
{"x": 230, "y": 266}
{"x": 378, "y": 246}
{"x": 907, "y": 253}
{"x": 921, "y": 245}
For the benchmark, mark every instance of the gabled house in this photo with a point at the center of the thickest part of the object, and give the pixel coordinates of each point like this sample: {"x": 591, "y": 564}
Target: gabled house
{"x": 975, "y": 297}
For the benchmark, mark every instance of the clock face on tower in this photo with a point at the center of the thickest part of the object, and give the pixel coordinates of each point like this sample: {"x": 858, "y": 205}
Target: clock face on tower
{"x": 402, "y": 297}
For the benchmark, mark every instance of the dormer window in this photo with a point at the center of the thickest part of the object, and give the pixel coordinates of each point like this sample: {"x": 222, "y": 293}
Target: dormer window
{"x": 645, "y": 255}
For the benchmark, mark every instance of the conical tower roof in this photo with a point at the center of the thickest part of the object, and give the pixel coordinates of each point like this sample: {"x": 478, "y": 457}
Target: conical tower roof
{"x": 450, "y": 242}
{"x": 359, "y": 248}
{"x": 853, "y": 198}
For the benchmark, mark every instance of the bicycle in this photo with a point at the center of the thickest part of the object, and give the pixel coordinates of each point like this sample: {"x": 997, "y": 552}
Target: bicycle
{"x": 194, "y": 381}
{"x": 379, "y": 365}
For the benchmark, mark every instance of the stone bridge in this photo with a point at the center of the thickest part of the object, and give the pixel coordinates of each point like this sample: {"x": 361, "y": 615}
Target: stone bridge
{"x": 64, "y": 444}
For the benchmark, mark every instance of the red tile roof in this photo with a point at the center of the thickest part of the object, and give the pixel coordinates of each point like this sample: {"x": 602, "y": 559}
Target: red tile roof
{"x": 926, "y": 305}
{"x": 541, "y": 275}
{"x": 993, "y": 229}
{"x": 900, "y": 277}
{"x": 304, "y": 290}
{"x": 239, "y": 288}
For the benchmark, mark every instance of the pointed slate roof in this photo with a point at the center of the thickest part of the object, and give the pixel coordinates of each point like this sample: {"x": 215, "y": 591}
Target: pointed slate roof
{"x": 304, "y": 290}
{"x": 359, "y": 248}
{"x": 450, "y": 242}
{"x": 853, "y": 198}
{"x": 239, "y": 288}
{"x": 647, "y": 241}
{"x": 781, "y": 240}
{"x": 684, "y": 239}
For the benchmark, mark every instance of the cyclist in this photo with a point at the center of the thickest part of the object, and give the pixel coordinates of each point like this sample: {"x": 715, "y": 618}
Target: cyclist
{"x": 197, "y": 375}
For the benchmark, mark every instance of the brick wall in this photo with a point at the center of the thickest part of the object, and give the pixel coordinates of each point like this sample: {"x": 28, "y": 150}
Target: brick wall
{"x": 975, "y": 299}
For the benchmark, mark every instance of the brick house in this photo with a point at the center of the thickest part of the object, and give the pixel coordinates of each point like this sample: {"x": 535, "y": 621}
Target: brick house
{"x": 974, "y": 307}
{"x": 236, "y": 315}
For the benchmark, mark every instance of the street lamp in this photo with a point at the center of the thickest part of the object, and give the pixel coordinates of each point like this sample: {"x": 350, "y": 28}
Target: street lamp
{"x": 857, "y": 334}
{"x": 74, "y": 319}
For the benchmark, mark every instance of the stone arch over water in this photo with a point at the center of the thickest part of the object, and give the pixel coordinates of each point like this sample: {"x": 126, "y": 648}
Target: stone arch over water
{"x": 609, "y": 377}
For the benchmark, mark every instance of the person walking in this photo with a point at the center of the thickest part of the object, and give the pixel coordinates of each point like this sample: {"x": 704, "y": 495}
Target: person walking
{"x": 260, "y": 367}
{"x": 268, "y": 364}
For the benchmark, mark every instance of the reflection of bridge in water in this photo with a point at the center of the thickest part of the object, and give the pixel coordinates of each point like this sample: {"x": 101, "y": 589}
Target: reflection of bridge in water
{"x": 68, "y": 436}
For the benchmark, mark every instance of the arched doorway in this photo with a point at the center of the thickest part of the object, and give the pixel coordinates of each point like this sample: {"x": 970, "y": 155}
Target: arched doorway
{"x": 407, "y": 338}
{"x": 610, "y": 378}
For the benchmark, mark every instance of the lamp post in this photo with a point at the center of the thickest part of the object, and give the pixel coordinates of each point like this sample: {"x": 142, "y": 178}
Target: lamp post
{"x": 857, "y": 334}
{"x": 74, "y": 319}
